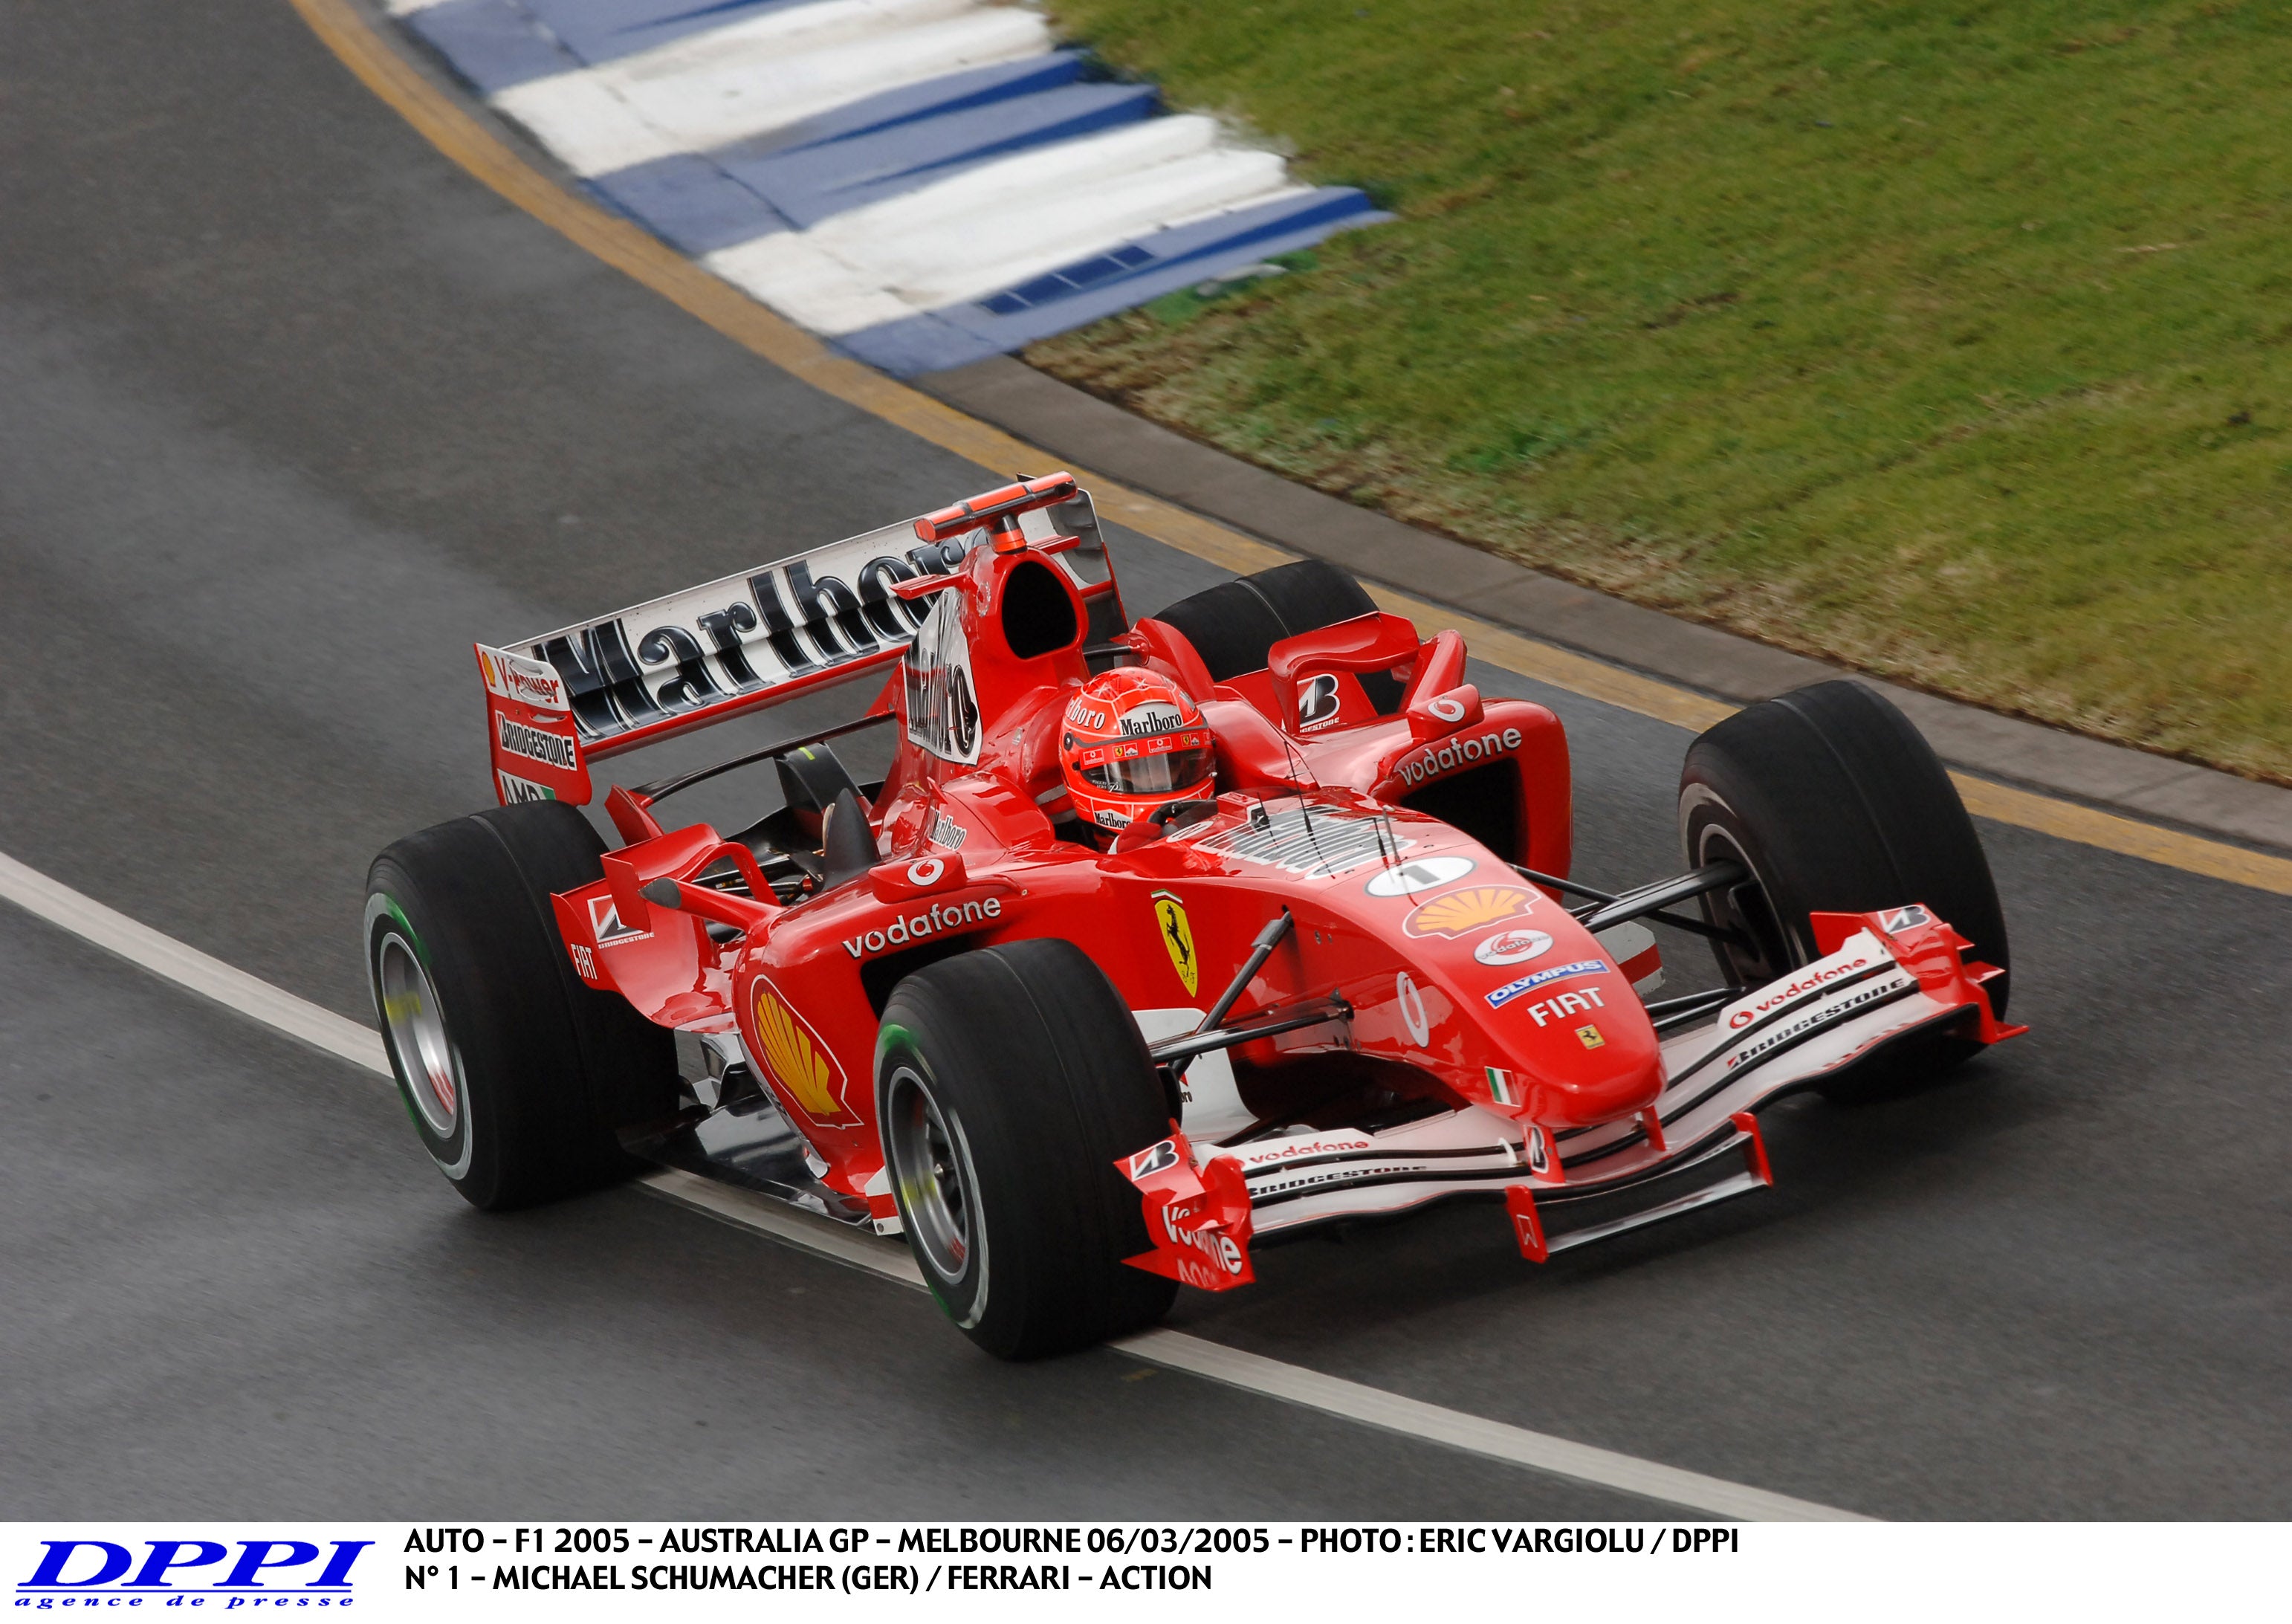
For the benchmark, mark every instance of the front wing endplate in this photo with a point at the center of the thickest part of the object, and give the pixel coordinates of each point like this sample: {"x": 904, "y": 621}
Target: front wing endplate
{"x": 1197, "y": 1217}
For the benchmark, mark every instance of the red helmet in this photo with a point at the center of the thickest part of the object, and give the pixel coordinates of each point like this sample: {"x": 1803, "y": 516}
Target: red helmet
{"x": 1133, "y": 742}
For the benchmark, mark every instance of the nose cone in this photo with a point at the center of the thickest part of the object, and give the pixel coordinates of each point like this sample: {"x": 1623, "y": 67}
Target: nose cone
{"x": 1581, "y": 1047}
{"x": 1594, "y": 1069}
{"x": 1532, "y": 1012}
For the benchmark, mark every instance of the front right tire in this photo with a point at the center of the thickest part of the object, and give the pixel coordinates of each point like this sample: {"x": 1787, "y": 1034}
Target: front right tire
{"x": 1834, "y": 803}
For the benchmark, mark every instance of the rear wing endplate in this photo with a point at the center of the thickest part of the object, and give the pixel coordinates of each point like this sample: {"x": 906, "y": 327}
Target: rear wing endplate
{"x": 556, "y": 702}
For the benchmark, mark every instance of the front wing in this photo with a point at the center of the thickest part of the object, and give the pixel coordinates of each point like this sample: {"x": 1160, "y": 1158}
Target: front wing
{"x": 1883, "y": 979}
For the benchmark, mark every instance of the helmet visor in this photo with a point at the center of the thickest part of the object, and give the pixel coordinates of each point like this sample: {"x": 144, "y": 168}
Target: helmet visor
{"x": 1157, "y": 774}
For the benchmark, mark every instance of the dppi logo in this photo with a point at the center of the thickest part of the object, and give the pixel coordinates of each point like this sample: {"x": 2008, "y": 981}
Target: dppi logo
{"x": 253, "y": 1573}
{"x": 1316, "y": 701}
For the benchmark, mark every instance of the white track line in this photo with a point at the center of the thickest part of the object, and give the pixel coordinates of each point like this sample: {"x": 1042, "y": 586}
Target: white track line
{"x": 763, "y": 1216}
{"x": 211, "y": 978}
{"x": 1293, "y": 1384}
{"x": 86, "y": 917}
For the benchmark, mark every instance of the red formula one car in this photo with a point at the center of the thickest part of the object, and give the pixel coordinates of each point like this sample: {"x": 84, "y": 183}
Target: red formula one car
{"x": 1328, "y": 966}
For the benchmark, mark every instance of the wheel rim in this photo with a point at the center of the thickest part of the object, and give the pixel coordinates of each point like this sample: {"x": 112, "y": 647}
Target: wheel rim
{"x": 935, "y": 1197}
{"x": 1746, "y": 908}
{"x": 417, "y": 1036}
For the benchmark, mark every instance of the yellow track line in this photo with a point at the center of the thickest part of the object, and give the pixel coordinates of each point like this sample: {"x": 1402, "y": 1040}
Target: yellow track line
{"x": 740, "y": 318}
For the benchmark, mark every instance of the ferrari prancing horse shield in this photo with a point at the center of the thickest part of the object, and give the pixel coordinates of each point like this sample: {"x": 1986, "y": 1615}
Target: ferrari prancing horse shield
{"x": 1178, "y": 938}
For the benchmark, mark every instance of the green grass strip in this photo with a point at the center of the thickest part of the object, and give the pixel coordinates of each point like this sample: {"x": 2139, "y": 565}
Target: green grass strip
{"x": 1951, "y": 340}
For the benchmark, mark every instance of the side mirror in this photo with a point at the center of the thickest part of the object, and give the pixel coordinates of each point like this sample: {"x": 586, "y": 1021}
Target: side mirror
{"x": 1367, "y": 643}
{"x": 707, "y": 903}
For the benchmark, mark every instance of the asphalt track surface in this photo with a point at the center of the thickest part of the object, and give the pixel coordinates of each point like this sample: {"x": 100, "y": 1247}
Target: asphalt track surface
{"x": 291, "y": 409}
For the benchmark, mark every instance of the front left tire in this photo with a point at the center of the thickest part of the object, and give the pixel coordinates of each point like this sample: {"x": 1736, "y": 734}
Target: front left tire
{"x": 1008, "y": 1081}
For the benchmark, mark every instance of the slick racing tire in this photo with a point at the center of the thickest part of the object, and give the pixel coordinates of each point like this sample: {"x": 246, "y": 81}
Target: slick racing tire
{"x": 1008, "y": 1081}
{"x": 1836, "y": 803}
{"x": 513, "y": 1070}
{"x": 1234, "y": 625}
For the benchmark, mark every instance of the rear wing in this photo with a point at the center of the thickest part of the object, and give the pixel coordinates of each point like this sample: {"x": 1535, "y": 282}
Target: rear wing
{"x": 557, "y": 702}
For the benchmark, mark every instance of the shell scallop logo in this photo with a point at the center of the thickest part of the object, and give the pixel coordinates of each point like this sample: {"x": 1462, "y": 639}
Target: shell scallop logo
{"x": 792, "y": 1054}
{"x": 1469, "y": 909}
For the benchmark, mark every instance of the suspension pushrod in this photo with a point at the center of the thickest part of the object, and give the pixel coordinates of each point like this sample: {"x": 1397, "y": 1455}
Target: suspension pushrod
{"x": 1319, "y": 1014}
{"x": 1653, "y": 899}
{"x": 1557, "y": 884}
{"x": 1602, "y": 898}
{"x": 1260, "y": 951}
{"x": 1694, "y": 927}
{"x": 1668, "y": 1013}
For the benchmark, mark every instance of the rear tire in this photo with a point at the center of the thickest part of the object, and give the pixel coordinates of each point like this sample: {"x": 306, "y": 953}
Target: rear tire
{"x": 1008, "y": 1081}
{"x": 1836, "y": 803}
{"x": 1234, "y": 625}
{"x": 513, "y": 1070}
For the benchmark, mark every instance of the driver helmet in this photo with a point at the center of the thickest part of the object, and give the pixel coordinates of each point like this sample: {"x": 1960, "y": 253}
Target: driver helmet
{"x": 1132, "y": 743}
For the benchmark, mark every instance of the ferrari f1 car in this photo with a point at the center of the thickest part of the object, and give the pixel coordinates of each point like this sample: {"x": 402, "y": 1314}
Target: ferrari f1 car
{"x": 1346, "y": 976}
